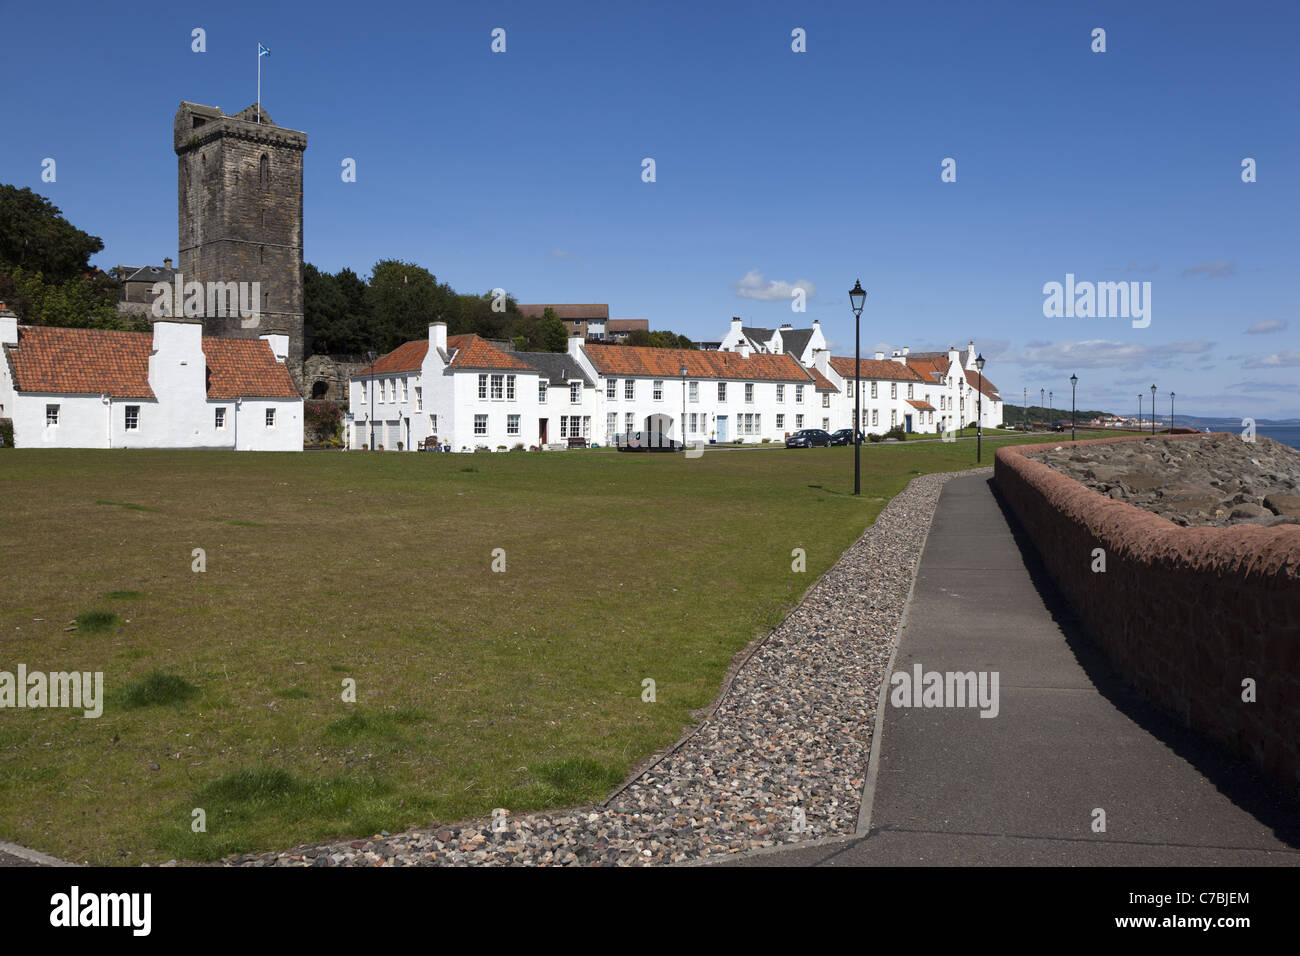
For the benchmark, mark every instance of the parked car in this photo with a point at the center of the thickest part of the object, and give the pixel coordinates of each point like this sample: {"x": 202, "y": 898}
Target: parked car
{"x": 1058, "y": 426}
{"x": 845, "y": 437}
{"x": 809, "y": 438}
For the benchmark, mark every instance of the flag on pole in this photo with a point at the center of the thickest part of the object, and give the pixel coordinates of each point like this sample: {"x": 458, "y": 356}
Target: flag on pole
{"x": 262, "y": 51}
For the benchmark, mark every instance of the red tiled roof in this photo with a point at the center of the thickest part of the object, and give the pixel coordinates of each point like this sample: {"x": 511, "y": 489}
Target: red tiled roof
{"x": 875, "y": 368}
{"x": 407, "y": 357}
{"x": 645, "y": 361}
{"x": 474, "y": 352}
{"x": 931, "y": 369}
{"x": 989, "y": 389}
{"x": 922, "y": 406}
{"x": 823, "y": 383}
{"x": 107, "y": 362}
{"x": 246, "y": 368}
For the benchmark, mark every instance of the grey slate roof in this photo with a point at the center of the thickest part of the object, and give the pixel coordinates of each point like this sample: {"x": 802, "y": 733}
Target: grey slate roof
{"x": 794, "y": 341}
{"x": 556, "y": 367}
{"x": 150, "y": 274}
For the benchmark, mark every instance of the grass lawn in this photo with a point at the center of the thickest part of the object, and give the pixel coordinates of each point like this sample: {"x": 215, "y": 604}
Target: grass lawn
{"x": 474, "y": 689}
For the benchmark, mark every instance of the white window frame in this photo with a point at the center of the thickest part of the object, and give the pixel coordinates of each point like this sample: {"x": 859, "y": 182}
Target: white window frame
{"x": 780, "y": 395}
{"x": 269, "y": 418}
{"x": 510, "y": 388}
{"x": 873, "y": 390}
{"x": 131, "y": 418}
{"x": 722, "y": 391}
{"x": 498, "y": 387}
{"x": 749, "y": 393}
{"x": 483, "y": 387}
{"x": 780, "y": 422}
{"x": 629, "y": 389}
{"x": 512, "y": 424}
{"x": 693, "y": 392}
{"x": 419, "y": 399}
{"x": 798, "y": 423}
{"x": 657, "y": 390}
{"x": 542, "y": 386}
{"x": 480, "y": 425}
{"x": 611, "y": 389}
{"x": 893, "y": 390}
{"x": 798, "y": 394}
{"x": 219, "y": 418}
{"x": 575, "y": 393}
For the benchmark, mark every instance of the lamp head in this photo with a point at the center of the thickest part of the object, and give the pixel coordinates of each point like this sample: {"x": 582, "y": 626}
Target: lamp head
{"x": 857, "y": 296}
{"x": 979, "y": 362}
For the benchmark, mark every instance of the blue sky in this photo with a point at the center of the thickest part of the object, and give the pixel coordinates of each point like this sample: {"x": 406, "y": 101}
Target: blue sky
{"x": 523, "y": 169}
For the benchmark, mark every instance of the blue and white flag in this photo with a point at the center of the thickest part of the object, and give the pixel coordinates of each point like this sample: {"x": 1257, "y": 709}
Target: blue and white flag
{"x": 262, "y": 51}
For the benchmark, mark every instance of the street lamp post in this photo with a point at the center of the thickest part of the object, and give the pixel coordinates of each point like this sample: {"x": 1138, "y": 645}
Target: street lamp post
{"x": 857, "y": 299}
{"x": 1139, "y": 413}
{"x": 1042, "y": 398}
{"x": 683, "y": 406}
{"x": 1171, "y": 413}
{"x": 1024, "y": 409}
{"x": 979, "y": 407}
{"x": 372, "y": 355}
{"x": 1153, "y": 409}
{"x": 1049, "y": 409}
{"x": 1074, "y": 381}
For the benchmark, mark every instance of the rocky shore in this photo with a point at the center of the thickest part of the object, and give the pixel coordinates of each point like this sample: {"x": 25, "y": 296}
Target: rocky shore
{"x": 1193, "y": 481}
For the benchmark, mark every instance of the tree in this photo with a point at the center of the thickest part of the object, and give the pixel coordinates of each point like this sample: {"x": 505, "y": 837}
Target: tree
{"x": 36, "y": 238}
{"x": 403, "y": 298}
{"x": 555, "y": 335}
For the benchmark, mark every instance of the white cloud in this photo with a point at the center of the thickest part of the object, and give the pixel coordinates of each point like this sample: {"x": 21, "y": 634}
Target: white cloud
{"x": 754, "y": 286}
{"x": 1103, "y": 353}
{"x": 1214, "y": 270}
{"x": 1269, "y": 325}
{"x": 561, "y": 254}
{"x": 1290, "y": 357}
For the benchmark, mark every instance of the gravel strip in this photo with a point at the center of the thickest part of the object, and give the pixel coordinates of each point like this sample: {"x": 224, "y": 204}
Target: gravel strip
{"x": 781, "y": 760}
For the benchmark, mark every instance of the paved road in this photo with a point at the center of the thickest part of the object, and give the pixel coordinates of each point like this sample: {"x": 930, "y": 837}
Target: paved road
{"x": 1021, "y": 788}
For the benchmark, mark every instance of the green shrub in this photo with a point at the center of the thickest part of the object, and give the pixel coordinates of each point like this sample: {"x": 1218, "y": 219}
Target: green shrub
{"x": 97, "y": 622}
{"x": 7, "y": 432}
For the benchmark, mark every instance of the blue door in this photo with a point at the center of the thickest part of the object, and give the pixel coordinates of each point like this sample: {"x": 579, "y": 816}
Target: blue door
{"x": 907, "y": 421}
{"x": 722, "y": 428}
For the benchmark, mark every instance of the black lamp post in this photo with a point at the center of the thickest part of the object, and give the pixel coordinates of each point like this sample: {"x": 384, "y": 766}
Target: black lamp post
{"x": 1049, "y": 408}
{"x": 1171, "y": 413}
{"x": 372, "y": 355}
{"x": 979, "y": 407}
{"x": 1153, "y": 409}
{"x": 1074, "y": 381}
{"x": 1042, "y": 398}
{"x": 683, "y": 406}
{"x": 857, "y": 299}
{"x": 1139, "y": 413}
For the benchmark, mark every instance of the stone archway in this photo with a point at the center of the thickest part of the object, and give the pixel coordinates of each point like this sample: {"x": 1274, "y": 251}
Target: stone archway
{"x": 320, "y": 389}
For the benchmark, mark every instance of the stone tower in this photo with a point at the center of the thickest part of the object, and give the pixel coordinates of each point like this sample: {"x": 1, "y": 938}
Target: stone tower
{"x": 239, "y": 190}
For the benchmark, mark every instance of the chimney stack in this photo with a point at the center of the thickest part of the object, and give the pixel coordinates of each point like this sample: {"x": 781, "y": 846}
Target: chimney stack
{"x": 438, "y": 336}
{"x": 167, "y": 263}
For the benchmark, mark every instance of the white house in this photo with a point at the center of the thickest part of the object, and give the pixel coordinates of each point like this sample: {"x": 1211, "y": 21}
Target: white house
{"x": 169, "y": 388}
{"x": 470, "y": 393}
{"x": 800, "y": 343}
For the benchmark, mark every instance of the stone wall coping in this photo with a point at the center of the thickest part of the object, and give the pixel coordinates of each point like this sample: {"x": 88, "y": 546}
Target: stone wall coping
{"x": 1258, "y": 554}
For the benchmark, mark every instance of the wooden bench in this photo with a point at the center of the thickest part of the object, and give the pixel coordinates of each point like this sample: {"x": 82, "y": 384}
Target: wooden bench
{"x": 578, "y": 442}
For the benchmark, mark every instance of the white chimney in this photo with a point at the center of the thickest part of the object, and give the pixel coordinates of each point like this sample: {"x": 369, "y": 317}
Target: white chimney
{"x": 743, "y": 348}
{"x": 787, "y": 327}
{"x": 970, "y": 354}
{"x": 880, "y": 356}
{"x": 904, "y": 351}
{"x": 167, "y": 263}
{"x": 8, "y": 326}
{"x": 279, "y": 342}
{"x": 575, "y": 346}
{"x": 438, "y": 336}
{"x": 821, "y": 359}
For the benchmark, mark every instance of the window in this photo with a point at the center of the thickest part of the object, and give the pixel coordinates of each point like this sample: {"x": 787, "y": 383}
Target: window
{"x": 849, "y": 386}
{"x": 586, "y": 425}
{"x": 693, "y": 391}
{"x": 541, "y": 390}
{"x": 480, "y": 423}
{"x": 132, "y": 417}
{"x": 627, "y": 423}
{"x": 893, "y": 417}
{"x": 749, "y": 392}
{"x": 873, "y": 390}
{"x": 498, "y": 387}
{"x": 611, "y": 425}
{"x": 221, "y": 418}
{"x": 419, "y": 399}
{"x": 575, "y": 393}
{"x": 611, "y": 390}
{"x": 264, "y": 171}
{"x": 780, "y": 422}
{"x": 363, "y": 391}
{"x": 875, "y": 416}
{"x": 893, "y": 390}
{"x": 798, "y": 395}
{"x": 512, "y": 424}
{"x": 482, "y": 386}
{"x": 826, "y": 399}
{"x": 927, "y": 398}
{"x": 564, "y": 426}
{"x": 433, "y": 424}
{"x": 909, "y": 390}
{"x": 722, "y": 391}
{"x": 629, "y": 387}
{"x": 826, "y": 424}
{"x": 510, "y": 388}
{"x": 406, "y": 391}
{"x": 691, "y": 423}
{"x": 658, "y": 390}
{"x": 798, "y": 422}
{"x": 780, "y": 395}
{"x": 270, "y": 418}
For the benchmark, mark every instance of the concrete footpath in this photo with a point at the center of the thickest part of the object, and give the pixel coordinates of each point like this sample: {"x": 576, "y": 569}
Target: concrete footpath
{"x": 953, "y": 788}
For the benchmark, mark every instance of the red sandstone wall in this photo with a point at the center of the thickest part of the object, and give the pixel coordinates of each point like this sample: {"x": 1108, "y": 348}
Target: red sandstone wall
{"x": 1185, "y": 614}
